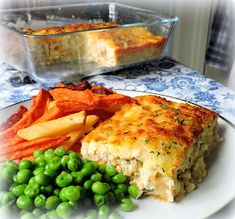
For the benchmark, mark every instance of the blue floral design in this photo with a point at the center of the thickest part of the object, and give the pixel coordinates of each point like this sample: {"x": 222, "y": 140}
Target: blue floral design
{"x": 204, "y": 96}
{"x": 155, "y": 84}
{"x": 183, "y": 82}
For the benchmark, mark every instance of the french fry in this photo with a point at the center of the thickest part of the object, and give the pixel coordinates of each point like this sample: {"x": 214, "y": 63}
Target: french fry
{"x": 75, "y": 136}
{"x": 53, "y": 128}
{"x": 36, "y": 110}
{"x": 26, "y": 149}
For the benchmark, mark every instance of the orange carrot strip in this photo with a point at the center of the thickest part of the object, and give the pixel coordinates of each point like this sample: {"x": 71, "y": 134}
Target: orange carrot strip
{"x": 27, "y": 148}
{"x": 69, "y": 107}
{"x": 36, "y": 110}
{"x": 52, "y": 113}
{"x": 14, "y": 140}
{"x": 113, "y": 102}
{"x": 86, "y": 96}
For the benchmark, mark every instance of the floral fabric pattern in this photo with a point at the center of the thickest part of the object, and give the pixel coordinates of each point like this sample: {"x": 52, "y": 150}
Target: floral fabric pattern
{"x": 164, "y": 77}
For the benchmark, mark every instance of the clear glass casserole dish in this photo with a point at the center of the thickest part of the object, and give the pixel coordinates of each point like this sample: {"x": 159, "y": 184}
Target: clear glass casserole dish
{"x": 58, "y": 43}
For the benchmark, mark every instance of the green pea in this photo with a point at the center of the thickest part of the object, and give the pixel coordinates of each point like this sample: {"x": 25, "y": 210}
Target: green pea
{"x": 52, "y": 214}
{"x": 32, "y": 190}
{"x": 64, "y": 210}
{"x": 100, "y": 188}
{"x": 8, "y": 199}
{"x": 13, "y": 185}
{"x": 27, "y": 215}
{"x": 23, "y": 176}
{"x": 55, "y": 163}
{"x": 103, "y": 212}
{"x": 72, "y": 193}
{"x": 32, "y": 180}
{"x": 114, "y": 215}
{"x": 37, "y": 212}
{"x": 24, "y": 202}
{"x": 38, "y": 153}
{"x": 119, "y": 194}
{"x": 101, "y": 168}
{"x": 99, "y": 200}
{"x": 38, "y": 170}
{"x": 8, "y": 172}
{"x": 110, "y": 170}
{"x": 19, "y": 190}
{"x": 39, "y": 159}
{"x": 49, "y": 172}
{"x": 134, "y": 191}
{"x": 119, "y": 178}
{"x": 96, "y": 177}
{"x": 48, "y": 155}
{"x": 41, "y": 163}
{"x": 42, "y": 179}
{"x": 40, "y": 201}
{"x": 78, "y": 176}
{"x": 64, "y": 160}
{"x": 88, "y": 168}
{"x": 52, "y": 202}
{"x": 11, "y": 164}
{"x": 47, "y": 189}
{"x": 62, "y": 195}
{"x": 60, "y": 151}
{"x": 73, "y": 164}
{"x": 25, "y": 164}
{"x": 87, "y": 184}
{"x": 91, "y": 214}
{"x": 75, "y": 155}
{"x": 64, "y": 179}
{"x": 127, "y": 205}
{"x": 122, "y": 187}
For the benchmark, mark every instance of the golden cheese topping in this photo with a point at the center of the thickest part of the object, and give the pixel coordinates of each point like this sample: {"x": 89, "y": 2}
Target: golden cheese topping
{"x": 67, "y": 28}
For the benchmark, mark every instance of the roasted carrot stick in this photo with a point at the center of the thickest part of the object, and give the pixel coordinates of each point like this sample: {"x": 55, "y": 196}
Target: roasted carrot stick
{"x": 52, "y": 113}
{"x": 113, "y": 102}
{"x": 86, "y": 96}
{"x": 27, "y": 148}
{"x": 36, "y": 110}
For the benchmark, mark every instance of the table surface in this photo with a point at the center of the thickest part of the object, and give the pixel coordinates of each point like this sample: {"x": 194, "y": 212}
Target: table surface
{"x": 165, "y": 77}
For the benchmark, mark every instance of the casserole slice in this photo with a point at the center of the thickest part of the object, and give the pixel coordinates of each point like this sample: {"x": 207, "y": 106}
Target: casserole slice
{"x": 161, "y": 145}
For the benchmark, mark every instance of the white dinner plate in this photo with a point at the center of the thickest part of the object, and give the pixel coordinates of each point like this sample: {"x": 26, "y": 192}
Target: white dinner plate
{"x": 217, "y": 190}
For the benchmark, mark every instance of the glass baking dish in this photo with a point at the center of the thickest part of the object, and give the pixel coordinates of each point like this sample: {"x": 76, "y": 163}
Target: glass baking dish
{"x": 81, "y": 53}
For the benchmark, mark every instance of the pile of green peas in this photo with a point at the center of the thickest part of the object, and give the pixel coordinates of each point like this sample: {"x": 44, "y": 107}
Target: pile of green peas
{"x": 60, "y": 184}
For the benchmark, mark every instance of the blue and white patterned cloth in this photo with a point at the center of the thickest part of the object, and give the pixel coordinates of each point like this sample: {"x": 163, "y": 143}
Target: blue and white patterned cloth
{"x": 166, "y": 77}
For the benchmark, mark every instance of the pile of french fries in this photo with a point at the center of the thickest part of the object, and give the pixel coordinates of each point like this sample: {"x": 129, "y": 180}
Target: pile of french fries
{"x": 60, "y": 116}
